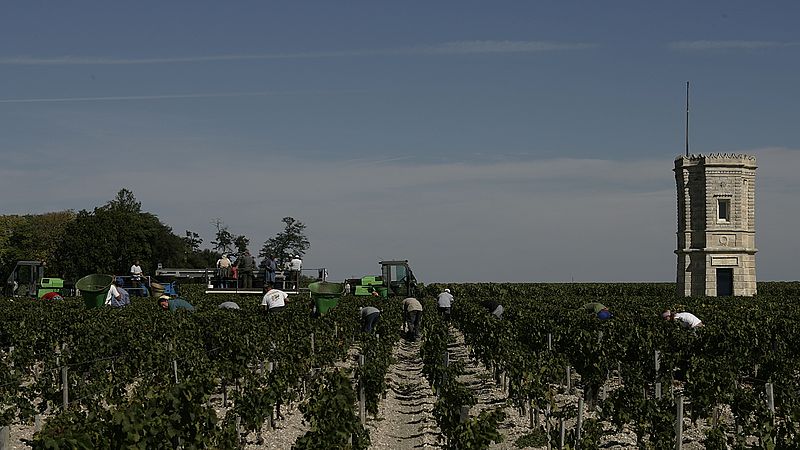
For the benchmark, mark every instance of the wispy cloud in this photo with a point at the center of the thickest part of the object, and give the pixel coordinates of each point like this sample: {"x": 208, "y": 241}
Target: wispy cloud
{"x": 466, "y": 47}
{"x": 447, "y": 48}
{"x": 729, "y": 45}
{"x": 165, "y": 96}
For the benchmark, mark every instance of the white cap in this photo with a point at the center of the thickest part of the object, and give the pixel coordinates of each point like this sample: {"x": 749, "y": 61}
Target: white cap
{"x": 447, "y": 290}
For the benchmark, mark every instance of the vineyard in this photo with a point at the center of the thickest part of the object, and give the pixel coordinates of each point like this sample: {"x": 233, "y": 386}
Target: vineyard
{"x": 548, "y": 375}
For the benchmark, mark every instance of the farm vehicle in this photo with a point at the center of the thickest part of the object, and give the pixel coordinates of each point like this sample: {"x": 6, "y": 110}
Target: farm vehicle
{"x": 28, "y": 279}
{"x": 288, "y": 281}
{"x": 396, "y": 279}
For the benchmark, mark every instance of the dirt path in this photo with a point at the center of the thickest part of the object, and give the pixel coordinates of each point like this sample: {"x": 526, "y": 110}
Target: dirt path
{"x": 404, "y": 417}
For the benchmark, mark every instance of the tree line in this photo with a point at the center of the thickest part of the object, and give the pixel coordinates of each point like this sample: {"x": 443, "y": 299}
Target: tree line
{"x": 109, "y": 238}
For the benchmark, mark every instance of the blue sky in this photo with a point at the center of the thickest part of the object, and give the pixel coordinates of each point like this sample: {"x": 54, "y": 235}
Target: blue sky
{"x": 441, "y": 132}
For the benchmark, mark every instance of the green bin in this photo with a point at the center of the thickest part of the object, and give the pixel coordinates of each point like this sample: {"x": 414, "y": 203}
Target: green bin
{"x": 94, "y": 289}
{"x": 325, "y": 303}
{"x": 326, "y": 295}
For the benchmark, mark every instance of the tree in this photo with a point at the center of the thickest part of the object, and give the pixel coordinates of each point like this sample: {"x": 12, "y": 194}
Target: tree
{"x": 33, "y": 237}
{"x": 197, "y": 258}
{"x": 241, "y": 243}
{"x": 110, "y": 238}
{"x": 193, "y": 241}
{"x": 224, "y": 242}
{"x": 125, "y": 201}
{"x": 289, "y": 242}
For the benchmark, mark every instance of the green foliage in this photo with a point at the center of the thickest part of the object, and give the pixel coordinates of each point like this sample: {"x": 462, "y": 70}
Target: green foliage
{"x": 156, "y": 417}
{"x": 331, "y": 417}
{"x": 536, "y": 438}
{"x": 477, "y": 433}
{"x": 714, "y": 365}
{"x": 110, "y": 238}
{"x": 33, "y": 237}
{"x": 289, "y": 242}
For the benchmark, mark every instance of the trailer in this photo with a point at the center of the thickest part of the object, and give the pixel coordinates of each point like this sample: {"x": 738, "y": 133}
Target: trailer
{"x": 215, "y": 284}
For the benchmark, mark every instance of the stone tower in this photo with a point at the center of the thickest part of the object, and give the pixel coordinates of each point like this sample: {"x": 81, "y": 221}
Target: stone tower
{"x": 716, "y": 225}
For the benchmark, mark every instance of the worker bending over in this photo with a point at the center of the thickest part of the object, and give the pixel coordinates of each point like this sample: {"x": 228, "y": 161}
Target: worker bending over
{"x": 598, "y": 309}
{"x": 117, "y": 296}
{"x": 274, "y": 299}
{"x": 494, "y": 308}
{"x": 412, "y": 315}
{"x": 684, "y": 319}
{"x": 369, "y": 318}
{"x": 174, "y": 304}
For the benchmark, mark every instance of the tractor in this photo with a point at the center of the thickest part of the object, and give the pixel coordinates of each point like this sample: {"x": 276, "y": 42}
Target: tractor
{"x": 28, "y": 280}
{"x": 396, "y": 279}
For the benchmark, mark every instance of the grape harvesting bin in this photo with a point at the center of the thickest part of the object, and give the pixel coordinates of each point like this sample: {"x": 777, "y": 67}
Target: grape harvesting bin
{"x": 94, "y": 289}
{"x": 326, "y": 295}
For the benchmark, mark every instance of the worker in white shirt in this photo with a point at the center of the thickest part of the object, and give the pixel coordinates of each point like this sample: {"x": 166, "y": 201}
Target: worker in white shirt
{"x": 295, "y": 266}
{"x": 136, "y": 278}
{"x": 117, "y": 296}
{"x": 444, "y": 301}
{"x": 224, "y": 270}
{"x": 684, "y": 319}
{"x": 274, "y": 299}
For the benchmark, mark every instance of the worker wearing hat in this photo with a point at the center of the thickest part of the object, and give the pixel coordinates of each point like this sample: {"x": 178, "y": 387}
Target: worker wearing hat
{"x": 174, "y": 304}
{"x": 444, "y": 302}
{"x": 224, "y": 270}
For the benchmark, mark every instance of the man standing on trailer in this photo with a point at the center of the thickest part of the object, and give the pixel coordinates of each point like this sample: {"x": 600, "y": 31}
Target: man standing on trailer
{"x": 412, "y": 315}
{"x": 136, "y": 278}
{"x": 295, "y": 267}
{"x": 224, "y": 270}
{"x": 269, "y": 271}
{"x": 246, "y": 263}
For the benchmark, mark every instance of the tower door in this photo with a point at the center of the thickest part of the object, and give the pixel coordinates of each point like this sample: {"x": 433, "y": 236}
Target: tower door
{"x": 724, "y": 282}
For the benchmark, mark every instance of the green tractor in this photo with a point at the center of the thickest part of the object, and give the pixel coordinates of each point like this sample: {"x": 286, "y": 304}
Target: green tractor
{"x": 28, "y": 280}
{"x": 396, "y": 279}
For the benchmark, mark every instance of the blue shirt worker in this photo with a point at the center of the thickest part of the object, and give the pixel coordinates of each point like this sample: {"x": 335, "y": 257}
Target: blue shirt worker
{"x": 269, "y": 270}
{"x": 599, "y": 309}
{"x": 174, "y": 304}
